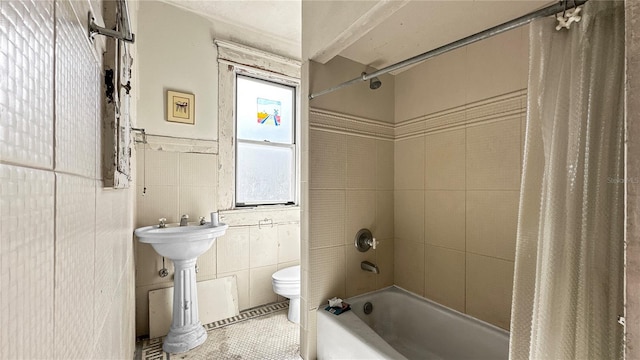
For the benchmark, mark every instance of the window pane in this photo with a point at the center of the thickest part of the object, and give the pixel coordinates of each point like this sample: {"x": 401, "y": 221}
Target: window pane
{"x": 264, "y": 111}
{"x": 264, "y": 174}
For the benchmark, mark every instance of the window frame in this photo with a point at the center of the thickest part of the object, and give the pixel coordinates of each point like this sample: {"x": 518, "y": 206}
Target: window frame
{"x": 277, "y": 80}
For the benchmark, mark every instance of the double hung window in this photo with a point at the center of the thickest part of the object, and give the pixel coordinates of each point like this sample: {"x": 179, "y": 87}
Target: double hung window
{"x": 266, "y": 142}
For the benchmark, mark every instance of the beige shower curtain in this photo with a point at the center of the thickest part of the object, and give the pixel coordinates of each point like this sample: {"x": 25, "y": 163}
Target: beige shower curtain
{"x": 568, "y": 270}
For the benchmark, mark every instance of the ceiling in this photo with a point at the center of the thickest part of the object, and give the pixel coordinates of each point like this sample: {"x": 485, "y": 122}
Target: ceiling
{"x": 372, "y": 32}
{"x": 271, "y": 25}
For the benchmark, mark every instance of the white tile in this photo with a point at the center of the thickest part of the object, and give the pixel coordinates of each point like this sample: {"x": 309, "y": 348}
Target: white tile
{"x": 261, "y": 285}
{"x": 263, "y": 246}
{"x": 75, "y": 265}
{"x": 242, "y": 283}
{"x": 197, "y": 201}
{"x": 233, "y": 250}
{"x": 161, "y": 168}
{"x": 288, "y": 243}
{"x": 198, "y": 169}
{"x": 26, "y": 262}
{"x": 26, "y": 88}
{"x": 77, "y": 94}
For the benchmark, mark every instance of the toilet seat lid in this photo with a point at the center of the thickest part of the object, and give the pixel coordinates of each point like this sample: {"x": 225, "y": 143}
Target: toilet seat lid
{"x": 290, "y": 274}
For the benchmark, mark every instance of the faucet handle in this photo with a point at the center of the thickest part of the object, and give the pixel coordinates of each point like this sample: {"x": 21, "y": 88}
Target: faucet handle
{"x": 374, "y": 243}
{"x": 202, "y": 222}
{"x": 162, "y": 222}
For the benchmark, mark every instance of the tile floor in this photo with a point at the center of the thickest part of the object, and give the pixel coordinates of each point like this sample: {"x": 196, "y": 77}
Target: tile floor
{"x": 259, "y": 333}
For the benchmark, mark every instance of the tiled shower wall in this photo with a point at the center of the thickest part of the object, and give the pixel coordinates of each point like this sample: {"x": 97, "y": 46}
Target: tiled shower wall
{"x": 66, "y": 264}
{"x": 459, "y": 130}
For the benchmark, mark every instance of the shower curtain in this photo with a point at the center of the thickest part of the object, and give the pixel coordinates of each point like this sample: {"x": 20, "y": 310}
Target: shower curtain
{"x": 569, "y": 253}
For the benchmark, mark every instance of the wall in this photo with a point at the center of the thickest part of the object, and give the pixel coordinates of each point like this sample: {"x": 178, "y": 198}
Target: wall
{"x": 350, "y": 173}
{"x": 632, "y": 236}
{"x": 459, "y": 130}
{"x": 65, "y": 246}
{"x": 187, "y": 169}
{"x": 177, "y": 51}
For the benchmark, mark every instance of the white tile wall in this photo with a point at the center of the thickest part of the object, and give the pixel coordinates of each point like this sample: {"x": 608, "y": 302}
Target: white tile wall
{"x": 77, "y": 96}
{"x": 26, "y": 82}
{"x": 26, "y": 262}
{"x": 75, "y": 265}
{"x": 75, "y": 301}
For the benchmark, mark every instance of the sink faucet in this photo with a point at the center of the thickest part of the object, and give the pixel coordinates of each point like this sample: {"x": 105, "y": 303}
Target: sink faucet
{"x": 184, "y": 219}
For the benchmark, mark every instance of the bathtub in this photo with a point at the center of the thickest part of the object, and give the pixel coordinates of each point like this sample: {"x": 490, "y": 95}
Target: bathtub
{"x": 405, "y": 326}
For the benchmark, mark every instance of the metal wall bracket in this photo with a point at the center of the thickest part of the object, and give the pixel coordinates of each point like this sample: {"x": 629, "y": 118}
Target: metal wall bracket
{"x": 124, "y": 34}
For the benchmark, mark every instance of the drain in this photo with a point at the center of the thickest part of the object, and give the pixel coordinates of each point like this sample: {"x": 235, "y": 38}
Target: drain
{"x": 368, "y": 308}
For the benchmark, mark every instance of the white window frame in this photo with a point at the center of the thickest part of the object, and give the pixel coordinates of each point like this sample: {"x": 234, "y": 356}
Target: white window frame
{"x": 293, "y": 145}
{"x": 233, "y": 60}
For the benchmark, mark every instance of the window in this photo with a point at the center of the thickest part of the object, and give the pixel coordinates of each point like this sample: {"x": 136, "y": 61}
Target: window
{"x": 265, "y": 151}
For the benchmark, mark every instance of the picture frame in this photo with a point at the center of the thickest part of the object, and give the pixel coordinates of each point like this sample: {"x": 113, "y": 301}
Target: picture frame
{"x": 181, "y": 107}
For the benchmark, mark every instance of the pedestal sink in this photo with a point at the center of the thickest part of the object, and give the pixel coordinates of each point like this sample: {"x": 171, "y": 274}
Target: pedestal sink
{"x": 183, "y": 245}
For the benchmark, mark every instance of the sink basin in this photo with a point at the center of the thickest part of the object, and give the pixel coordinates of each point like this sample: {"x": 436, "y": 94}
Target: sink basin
{"x": 181, "y": 242}
{"x": 182, "y": 245}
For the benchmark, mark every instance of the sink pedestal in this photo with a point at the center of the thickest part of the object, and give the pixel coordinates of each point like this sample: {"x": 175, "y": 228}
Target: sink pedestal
{"x": 186, "y": 331}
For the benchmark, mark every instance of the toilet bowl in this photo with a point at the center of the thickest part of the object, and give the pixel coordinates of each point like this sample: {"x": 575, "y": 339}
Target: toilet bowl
{"x": 286, "y": 282}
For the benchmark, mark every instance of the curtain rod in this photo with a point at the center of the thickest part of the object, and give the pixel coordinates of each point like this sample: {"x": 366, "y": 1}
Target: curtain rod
{"x": 512, "y": 24}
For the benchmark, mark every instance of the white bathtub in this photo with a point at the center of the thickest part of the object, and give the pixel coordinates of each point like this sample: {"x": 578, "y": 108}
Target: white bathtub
{"x": 405, "y": 326}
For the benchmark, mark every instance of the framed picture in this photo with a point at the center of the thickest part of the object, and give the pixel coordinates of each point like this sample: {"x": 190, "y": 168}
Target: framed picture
{"x": 181, "y": 107}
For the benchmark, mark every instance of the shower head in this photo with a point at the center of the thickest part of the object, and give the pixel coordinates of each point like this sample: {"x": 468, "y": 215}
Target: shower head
{"x": 374, "y": 83}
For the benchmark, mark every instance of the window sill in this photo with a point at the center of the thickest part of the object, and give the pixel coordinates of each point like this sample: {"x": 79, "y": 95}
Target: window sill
{"x": 256, "y": 215}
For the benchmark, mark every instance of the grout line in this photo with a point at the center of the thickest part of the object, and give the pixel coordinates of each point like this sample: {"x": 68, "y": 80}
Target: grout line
{"x": 53, "y": 167}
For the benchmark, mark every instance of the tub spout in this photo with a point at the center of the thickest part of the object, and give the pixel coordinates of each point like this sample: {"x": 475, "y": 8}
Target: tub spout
{"x": 367, "y": 266}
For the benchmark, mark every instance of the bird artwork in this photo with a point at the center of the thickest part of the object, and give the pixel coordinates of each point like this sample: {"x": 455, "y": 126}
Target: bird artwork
{"x": 182, "y": 106}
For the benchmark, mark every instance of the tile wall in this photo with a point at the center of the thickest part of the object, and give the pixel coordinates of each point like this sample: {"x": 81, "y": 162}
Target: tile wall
{"x": 66, "y": 254}
{"x": 350, "y": 188}
{"x": 457, "y": 172}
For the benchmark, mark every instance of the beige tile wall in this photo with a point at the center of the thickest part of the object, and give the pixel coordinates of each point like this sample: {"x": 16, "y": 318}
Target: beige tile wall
{"x": 179, "y": 182}
{"x": 457, "y": 183}
{"x": 66, "y": 254}
{"x": 350, "y": 189}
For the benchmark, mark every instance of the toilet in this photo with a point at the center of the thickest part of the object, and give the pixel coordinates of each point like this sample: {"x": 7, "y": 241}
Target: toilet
{"x": 286, "y": 282}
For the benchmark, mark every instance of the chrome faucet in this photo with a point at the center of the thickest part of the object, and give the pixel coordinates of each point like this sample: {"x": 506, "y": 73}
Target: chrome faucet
{"x": 184, "y": 219}
{"x": 367, "y": 266}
